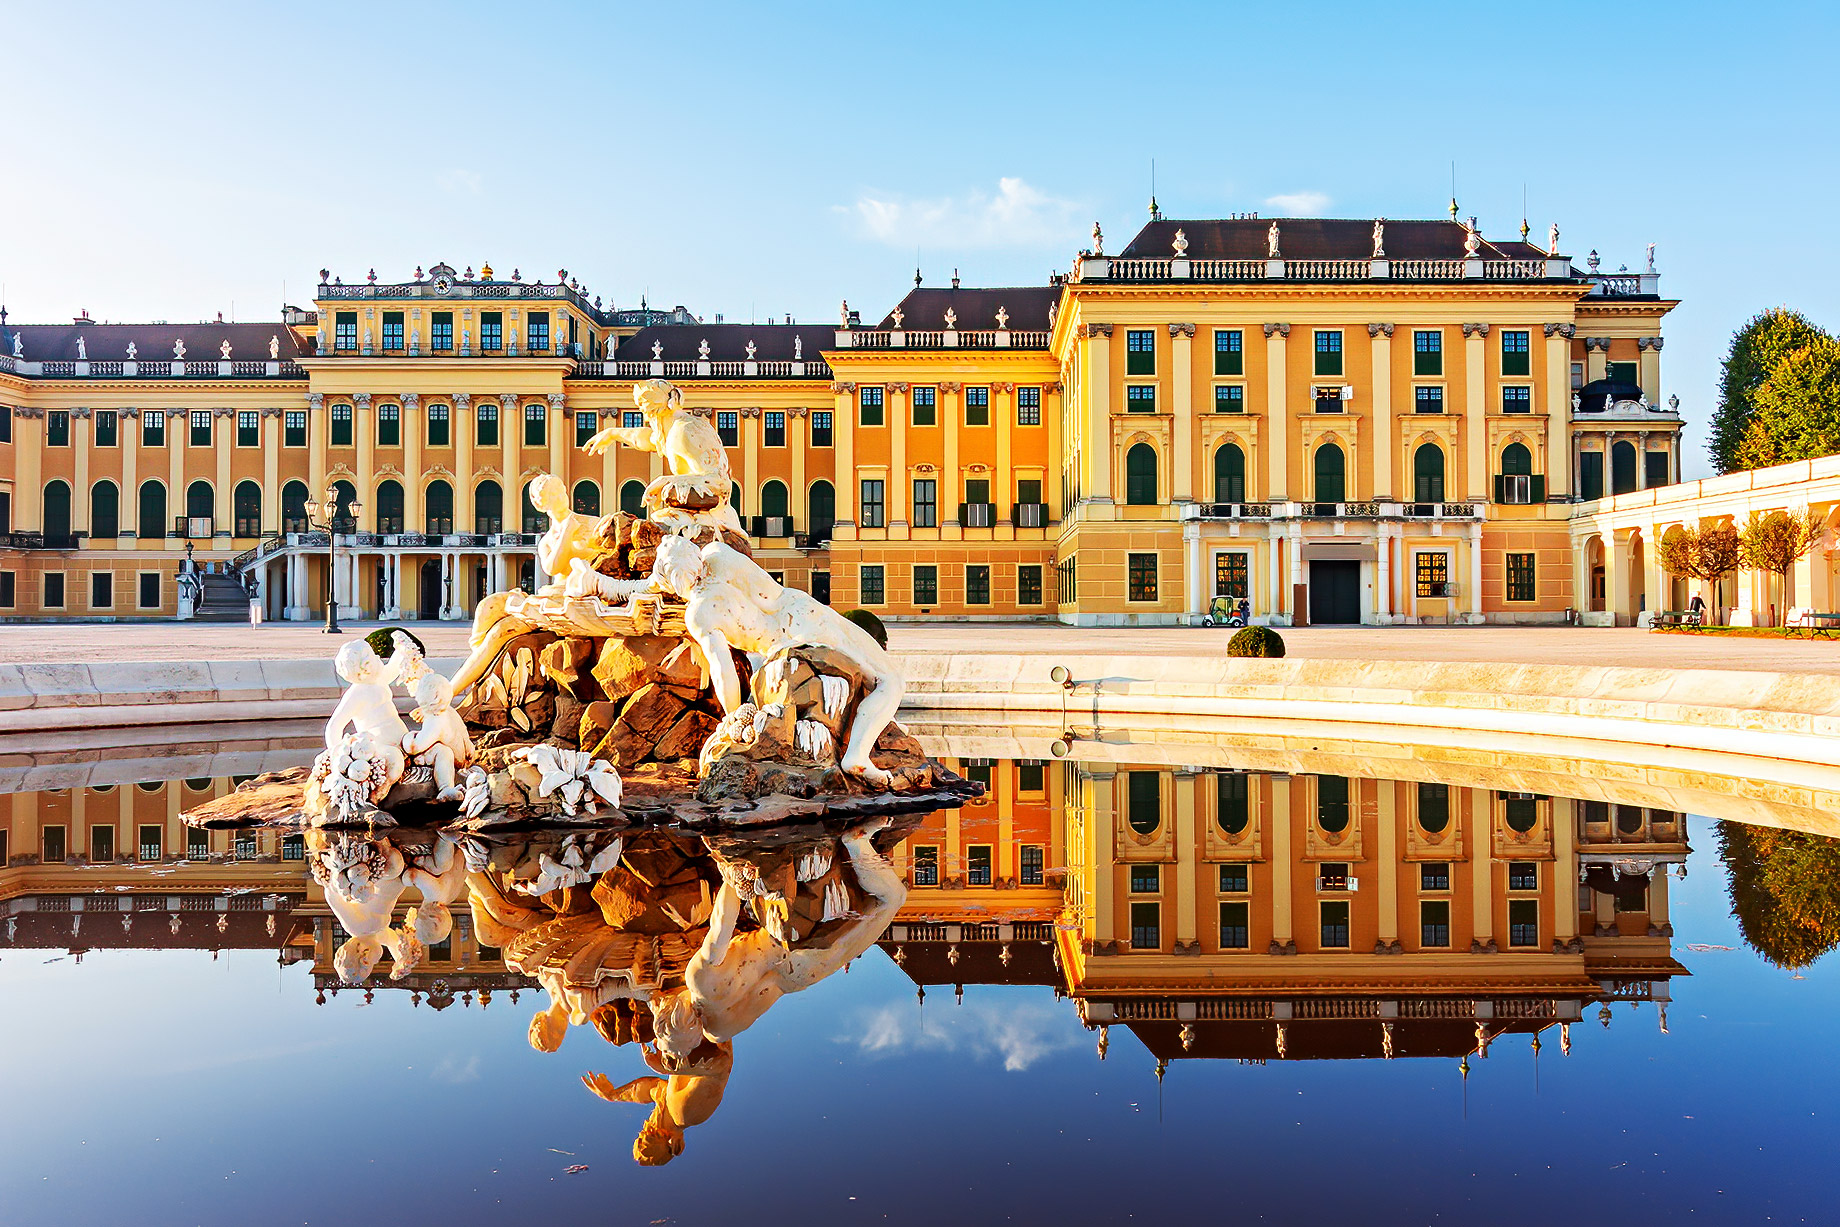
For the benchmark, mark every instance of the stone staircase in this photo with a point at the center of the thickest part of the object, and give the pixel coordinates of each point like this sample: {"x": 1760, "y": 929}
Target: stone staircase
{"x": 224, "y": 600}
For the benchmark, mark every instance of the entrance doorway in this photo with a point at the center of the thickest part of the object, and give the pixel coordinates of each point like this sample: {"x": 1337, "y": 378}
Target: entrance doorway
{"x": 1335, "y": 591}
{"x": 821, "y": 587}
{"x": 428, "y": 591}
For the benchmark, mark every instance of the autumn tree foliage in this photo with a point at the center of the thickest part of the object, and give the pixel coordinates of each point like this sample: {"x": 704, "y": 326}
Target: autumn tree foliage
{"x": 1785, "y": 891}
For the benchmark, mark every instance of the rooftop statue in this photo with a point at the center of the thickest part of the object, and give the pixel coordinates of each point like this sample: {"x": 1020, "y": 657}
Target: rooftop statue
{"x": 224, "y": 349}
{"x": 19, "y": 345}
{"x": 82, "y": 350}
{"x": 274, "y": 348}
{"x": 179, "y": 350}
{"x": 1552, "y": 240}
{"x": 1271, "y": 242}
{"x": 132, "y": 350}
{"x": 1379, "y": 252}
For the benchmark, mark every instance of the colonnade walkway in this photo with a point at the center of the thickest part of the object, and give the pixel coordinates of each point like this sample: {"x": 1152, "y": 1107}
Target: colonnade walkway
{"x": 1529, "y": 645}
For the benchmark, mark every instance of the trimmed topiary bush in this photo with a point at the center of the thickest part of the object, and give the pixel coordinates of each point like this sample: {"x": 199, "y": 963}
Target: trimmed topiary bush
{"x": 870, "y": 623}
{"x": 1255, "y": 641}
{"x": 385, "y": 646}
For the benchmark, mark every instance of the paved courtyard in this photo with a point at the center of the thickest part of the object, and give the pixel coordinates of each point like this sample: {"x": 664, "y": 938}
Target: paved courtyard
{"x": 1511, "y": 644}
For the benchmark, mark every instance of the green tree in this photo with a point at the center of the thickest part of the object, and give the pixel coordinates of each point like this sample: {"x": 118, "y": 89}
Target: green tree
{"x": 1773, "y": 541}
{"x": 1785, "y": 891}
{"x": 1795, "y": 412}
{"x": 1755, "y": 350}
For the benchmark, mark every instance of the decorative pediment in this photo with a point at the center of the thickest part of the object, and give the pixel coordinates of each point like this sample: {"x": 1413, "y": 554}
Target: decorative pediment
{"x": 439, "y": 470}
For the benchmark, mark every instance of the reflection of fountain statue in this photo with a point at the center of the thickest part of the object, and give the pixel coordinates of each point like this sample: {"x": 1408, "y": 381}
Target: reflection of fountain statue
{"x": 364, "y": 878}
{"x": 681, "y": 1096}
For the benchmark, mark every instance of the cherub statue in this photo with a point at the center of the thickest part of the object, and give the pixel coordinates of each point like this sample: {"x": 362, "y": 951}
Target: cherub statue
{"x": 368, "y": 706}
{"x": 363, "y": 877}
{"x": 439, "y": 874}
{"x": 697, "y": 490}
{"x": 730, "y": 602}
{"x": 682, "y": 1094}
{"x": 441, "y": 742}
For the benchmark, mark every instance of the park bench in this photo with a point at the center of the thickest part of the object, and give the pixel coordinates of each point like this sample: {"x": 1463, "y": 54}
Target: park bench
{"x": 1815, "y": 622}
{"x": 1674, "y": 619}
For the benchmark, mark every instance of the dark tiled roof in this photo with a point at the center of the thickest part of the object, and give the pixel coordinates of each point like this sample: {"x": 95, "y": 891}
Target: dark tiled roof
{"x": 1317, "y": 238}
{"x": 153, "y": 342}
{"x": 925, "y": 307}
{"x": 727, "y": 342}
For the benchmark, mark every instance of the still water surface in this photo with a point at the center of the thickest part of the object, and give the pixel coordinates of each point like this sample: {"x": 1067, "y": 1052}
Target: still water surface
{"x": 1244, "y": 947}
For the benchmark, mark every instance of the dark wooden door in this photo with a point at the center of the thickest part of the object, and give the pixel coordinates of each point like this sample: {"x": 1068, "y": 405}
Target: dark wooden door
{"x": 1335, "y": 591}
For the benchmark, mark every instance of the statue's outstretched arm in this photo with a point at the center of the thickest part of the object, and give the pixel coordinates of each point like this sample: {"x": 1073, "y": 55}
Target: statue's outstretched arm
{"x": 639, "y": 1090}
{"x": 640, "y": 438}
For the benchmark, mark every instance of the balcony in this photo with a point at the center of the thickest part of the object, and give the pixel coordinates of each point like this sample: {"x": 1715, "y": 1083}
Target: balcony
{"x": 770, "y": 526}
{"x": 1029, "y": 515}
{"x": 977, "y": 515}
{"x": 41, "y": 541}
{"x": 1437, "y": 511}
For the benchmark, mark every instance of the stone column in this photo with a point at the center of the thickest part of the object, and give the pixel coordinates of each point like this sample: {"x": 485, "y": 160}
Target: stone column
{"x": 1475, "y": 574}
{"x": 1383, "y": 573}
{"x": 271, "y": 423}
{"x": 1477, "y": 469}
{"x": 1003, "y": 481}
{"x": 79, "y": 493}
{"x": 1616, "y": 575}
{"x": 1482, "y": 864}
{"x": 1596, "y": 358}
{"x": 223, "y": 438}
{"x": 414, "y": 431}
{"x": 1096, "y": 452}
{"x": 898, "y": 413}
{"x": 1381, "y": 344}
{"x": 1053, "y": 409}
{"x": 177, "y": 440}
{"x": 1654, "y": 581}
{"x": 1275, "y": 572}
{"x": 1565, "y": 868}
{"x": 464, "y": 426}
{"x": 1278, "y": 839}
{"x": 318, "y": 434}
{"x": 798, "y": 442}
{"x": 1182, "y": 405}
{"x": 364, "y": 431}
{"x": 952, "y": 421}
{"x": 843, "y": 419}
{"x": 1386, "y": 857}
{"x": 1193, "y": 573}
{"x": 1648, "y": 354}
{"x": 751, "y": 482}
{"x": 556, "y": 430}
{"x": 1641, "y": 460}
{"x": 1187, "y": 864}
{"x": 511, "y": 452}
{"x": 1556, "y": 401}
{"x": 1277, "y": 414}
{"x": 129, "y": 429}
{"x": 1102, "y": 833}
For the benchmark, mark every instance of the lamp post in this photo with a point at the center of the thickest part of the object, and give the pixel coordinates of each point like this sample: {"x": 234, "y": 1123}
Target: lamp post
{"x": 331, "y": 525}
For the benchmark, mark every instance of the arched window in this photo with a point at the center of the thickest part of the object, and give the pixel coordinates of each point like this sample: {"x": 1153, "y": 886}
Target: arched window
{"x": 200, "y": 504}
{"x": 1622, "y": 467}
{"x": 773, "y": 499}
{"x": 734, "y": 496}
{"x": 246, "y": 506}
{"x": 152, "y": 514}
{"x": 1233, "y": 808}
{"x": 1140, "y": 476}
{"x": 632, "y": 498}
{"x": 344, "y": 494}
{"x": 57, "y": 509}
{"x": 1332, "y": 803}
{"x": 1144, "y": 798}
{"x": 532, "y": 520}
{"x": 390, "y": 506}
{"x": 104, "y": 510}
{"x": 1229, "y": 474}
{"x": 587, "y": 499}
{"x": 488, "y": 508}
{"x": 1428, "y": 473}
{"x": 1433, "y": 807}
{"x": 1516, "y": 459}
{"x": 293, "y": 506}
{"x": 1331, "y": 474}
{"x": 821, "y": 509}
{"x": 439, "y": 498}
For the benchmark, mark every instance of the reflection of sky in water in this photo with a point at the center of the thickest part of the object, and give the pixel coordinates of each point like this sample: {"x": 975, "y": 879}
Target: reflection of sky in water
{"x": 167, "y": 1088}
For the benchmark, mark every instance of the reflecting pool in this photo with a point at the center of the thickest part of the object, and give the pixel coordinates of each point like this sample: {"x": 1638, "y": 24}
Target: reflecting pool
{"x": 1287, "y": 981}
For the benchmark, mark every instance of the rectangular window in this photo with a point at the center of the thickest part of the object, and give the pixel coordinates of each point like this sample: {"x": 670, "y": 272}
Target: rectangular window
{"x": 1146, "y": 879}
{"x": 1031, "y": 777}
{"x": 150, "y": 590}
{"x": 1235, "y": 924}
{"x": 926, "y": 866}
{"x": 1521, "y": 586}
{"x": 1523, "y": 875}
{"x": 773, "y": 429}
{"x": 1433, "y": 573}
{"x": 57, "y": 428}
{"x": 926, "y": 585}
{"x": 9, "y": 589}
{"x": 1229, "y": 398}
{"x": 539, "y": 330}
{"x": 585, "y": 424}
{"x": 1028, "y": 406}
{"x": 926, "y": 502}
{"x": 341, "y": 426}
{"x": 1516, "y": 352}
{"x": 441, "y": 330}
{"x": 728, "y": 427}
{"x": 1030, "y": 868}
{"x": 1233, "y": 575}
{"x": 491, "y": 330}
{"x": 1142, "y": 577}
{"x": 345, "y": 330}
{"x": 1140, "y": 398}
{"x": 248, "y": 428}
{"x": 438, "y": 424}
{"x": 294, "y": 428}
{"x": 1328, "y": 398}
{"x": 1432, "y": 875}
{"x": 869, "y": 402}
{"x": 1517, "y": 398}
{"x": 1235, "y": 879}
{"x": 1146, "y": 932}
{"x": 977, "y": 584}
{"x": 1620, "y": 372}
{"x": 389, "y": 425}
{"x": 1335, "y": 925}
{"x": 153, "y": 428}
{"x": 1434, "y": 923}
{"x": 102, "y": 844}
{"x": 1428, "y": 353}
{"x": 977, "y": 406}
{"x": 54, "y": 590}
{"x": 102, "y": 590}
{"x": 536, "y": 425}
{"x": 1523, "y": 922}
{"x": 392, "y": 330}
{"x": 200, "y": 433}
{"x": 108, "y": 428}
{"x": 52, "y": 851}
{"x": 1140, "y": 352}
{"x": 1229, "y": 352}
{"x": 821, "y": 432}
{"x": 6, "y": 423}
{"x": 1427, "y": 400}
{"x": 873, "y": 504}
{"x": 977, "y": 865}
{"x": 870, "y": 580}
{"x": 925, "y": 406}
{"x": 485, "y": 422}
{"x": 1028, "y": 584}
{"x": 1329, "y": 352}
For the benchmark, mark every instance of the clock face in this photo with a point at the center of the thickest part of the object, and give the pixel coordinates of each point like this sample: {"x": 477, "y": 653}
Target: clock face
{"x": 442, "y": 284}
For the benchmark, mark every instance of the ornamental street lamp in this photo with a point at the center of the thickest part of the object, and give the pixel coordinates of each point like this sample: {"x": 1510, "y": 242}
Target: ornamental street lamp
{"x": 331, "y": 526}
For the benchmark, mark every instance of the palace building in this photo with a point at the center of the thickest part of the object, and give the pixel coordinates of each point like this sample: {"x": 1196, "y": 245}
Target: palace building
{"x": 1339, "y": 421}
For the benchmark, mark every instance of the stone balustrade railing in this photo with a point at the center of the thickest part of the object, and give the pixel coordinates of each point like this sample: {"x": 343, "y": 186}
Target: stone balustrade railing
{"x": 1182, "y": 268}
{"x": 1464, "y": 511}
{"x": 912, "y": 338}
{"x": 158, "y": 368}
{"x": 808, "y": 368}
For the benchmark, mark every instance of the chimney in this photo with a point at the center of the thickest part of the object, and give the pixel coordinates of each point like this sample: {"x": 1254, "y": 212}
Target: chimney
{"x": 84, "y": 319}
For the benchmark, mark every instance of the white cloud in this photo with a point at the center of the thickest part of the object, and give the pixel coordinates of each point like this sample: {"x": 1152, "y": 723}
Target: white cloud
{"x": 1299, "y": 204}
{"x": 1016, "y": 214}
{"x": 454, "y": 1072}
{"x": 1020, "y": 1034}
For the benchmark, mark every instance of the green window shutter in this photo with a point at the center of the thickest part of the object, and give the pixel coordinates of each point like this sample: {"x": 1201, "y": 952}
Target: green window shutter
{"x": 1539, "y": 487}
{"x": 1501, "y": 488}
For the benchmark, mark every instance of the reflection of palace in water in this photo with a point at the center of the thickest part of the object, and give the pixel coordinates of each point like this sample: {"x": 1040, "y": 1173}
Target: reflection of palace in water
{"x": 1215, "y": 913}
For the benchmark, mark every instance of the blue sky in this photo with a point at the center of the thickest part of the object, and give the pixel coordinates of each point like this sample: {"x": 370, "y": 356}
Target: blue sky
{"x": 172, "y": 162}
